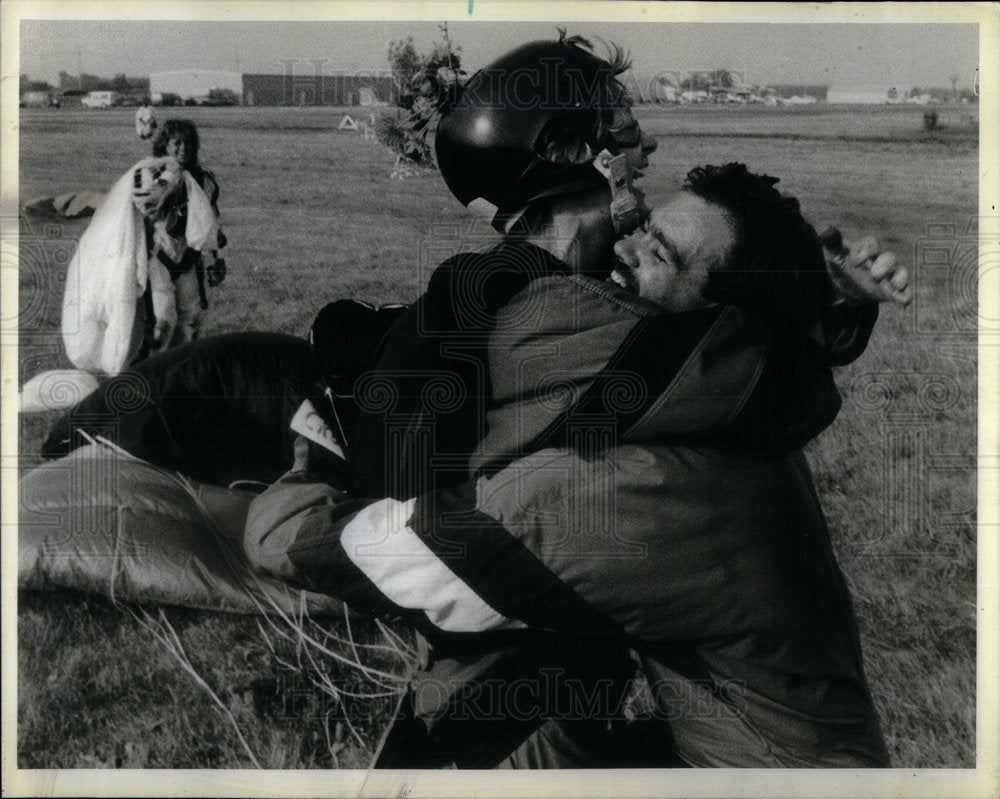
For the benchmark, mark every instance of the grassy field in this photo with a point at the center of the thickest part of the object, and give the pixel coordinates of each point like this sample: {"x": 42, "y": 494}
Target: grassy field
{"x": 313, "y": 214}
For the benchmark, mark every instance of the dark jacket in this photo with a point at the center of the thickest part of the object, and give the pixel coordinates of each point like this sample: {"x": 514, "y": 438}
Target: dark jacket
{"x": 622, "y": 488}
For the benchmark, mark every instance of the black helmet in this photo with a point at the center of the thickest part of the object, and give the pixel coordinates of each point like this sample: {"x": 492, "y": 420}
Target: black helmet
{"x": 489, "y": 141}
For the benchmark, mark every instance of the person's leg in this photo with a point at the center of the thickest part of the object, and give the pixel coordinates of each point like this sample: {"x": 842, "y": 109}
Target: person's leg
{"x": 710, "y": 731}
{"x": 141, "y": 343}
{"x": 188, "y": 308}
{"x": 545, "y": 702}
{"x": 725, "y": 724}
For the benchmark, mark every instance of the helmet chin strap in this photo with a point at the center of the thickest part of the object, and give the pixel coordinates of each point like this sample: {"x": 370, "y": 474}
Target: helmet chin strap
{"x": 626, "y": 214}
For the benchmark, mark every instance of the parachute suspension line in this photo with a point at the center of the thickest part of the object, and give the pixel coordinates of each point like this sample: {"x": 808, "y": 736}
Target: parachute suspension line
{"x": 306, "y": 635}
{"x": 328, "y": 392}
{"x": 110, "y": 448}
{"x": 116, "y": 555}
{"x": 166, "y": 427}
{"x": 396, "y": 642}
{"x": 164, "y": 632}
{"x": 244, "y": 482}
{"x": 385, "y": 735}
{"x": 236, "y": 561}
{"x": 160, "y": 628}
{"x": 103, "y": 443}
{"x": 324, "y": 684}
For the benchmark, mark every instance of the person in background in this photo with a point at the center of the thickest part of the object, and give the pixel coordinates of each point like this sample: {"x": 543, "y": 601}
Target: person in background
{"x": 145, "y": 120}
{"x": 178, "y": 138}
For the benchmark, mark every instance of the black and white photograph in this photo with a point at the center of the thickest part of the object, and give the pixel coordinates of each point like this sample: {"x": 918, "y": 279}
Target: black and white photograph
{"x": 400, "y": 397}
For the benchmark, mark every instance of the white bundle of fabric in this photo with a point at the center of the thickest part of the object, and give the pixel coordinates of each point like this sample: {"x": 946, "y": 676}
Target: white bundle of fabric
{"x": 111, "y": 266}
{"x": 57, "y": 389}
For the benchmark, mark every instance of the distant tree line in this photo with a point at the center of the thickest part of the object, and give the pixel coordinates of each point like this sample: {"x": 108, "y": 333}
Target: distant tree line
{"x": 940, "y": 94}
{"x": 121, "y": 83}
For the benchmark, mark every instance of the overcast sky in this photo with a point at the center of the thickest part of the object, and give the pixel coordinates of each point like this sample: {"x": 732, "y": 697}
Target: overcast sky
{"x": 843, "y": 56}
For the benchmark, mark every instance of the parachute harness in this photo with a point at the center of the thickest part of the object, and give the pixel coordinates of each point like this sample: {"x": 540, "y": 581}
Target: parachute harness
{"x": 626, "y": 214}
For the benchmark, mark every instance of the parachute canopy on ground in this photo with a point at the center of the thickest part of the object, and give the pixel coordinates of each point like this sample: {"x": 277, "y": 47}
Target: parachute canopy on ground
{"x": 102, "y": 522}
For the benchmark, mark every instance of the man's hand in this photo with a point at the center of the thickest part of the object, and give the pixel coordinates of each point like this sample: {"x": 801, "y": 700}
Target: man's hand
{"x": 171, "y": 247}
{"x": 216, "y": 272}
{"x": 862, "y": 272}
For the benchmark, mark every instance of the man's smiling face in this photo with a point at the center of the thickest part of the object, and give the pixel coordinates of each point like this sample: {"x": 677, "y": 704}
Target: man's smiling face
{"x": 669, "y": 261}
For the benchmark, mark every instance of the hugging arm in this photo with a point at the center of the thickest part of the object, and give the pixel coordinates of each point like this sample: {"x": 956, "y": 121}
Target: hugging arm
{"x": 862, "y": 275}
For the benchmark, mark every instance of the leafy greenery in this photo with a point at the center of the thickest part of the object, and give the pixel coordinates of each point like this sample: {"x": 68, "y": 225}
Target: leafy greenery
{"x": 425, "y": 83}
{"x": 428, "y": 77}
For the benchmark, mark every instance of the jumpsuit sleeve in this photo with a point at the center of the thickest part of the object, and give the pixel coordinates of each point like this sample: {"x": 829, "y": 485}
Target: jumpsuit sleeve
{"x": 362, "y": 552}
{"x": 845, "y": 329}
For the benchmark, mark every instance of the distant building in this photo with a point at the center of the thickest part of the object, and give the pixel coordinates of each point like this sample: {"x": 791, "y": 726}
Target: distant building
{"x": 189, "y": 84}
{"x": 695, "y": 96}
{"x": 858, "y": 97}
{"x": 82, "y": 82}
{"x": 782, "y": 91}
{"x": 330, "y": 89}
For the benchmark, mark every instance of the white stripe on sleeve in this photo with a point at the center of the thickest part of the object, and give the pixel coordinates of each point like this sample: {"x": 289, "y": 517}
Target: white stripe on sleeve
{"x": 380, "y": 542}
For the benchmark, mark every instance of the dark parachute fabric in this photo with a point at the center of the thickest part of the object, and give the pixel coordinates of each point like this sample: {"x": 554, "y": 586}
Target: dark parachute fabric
{"x": 346, "y": 337}
{"x": 166, "y": 525}
{"x": 207, "y": 423}
{"x": 217, "y": 410}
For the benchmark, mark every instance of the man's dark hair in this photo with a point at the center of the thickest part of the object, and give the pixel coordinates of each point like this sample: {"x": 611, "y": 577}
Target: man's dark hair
{"x": 777, "y": 270}
{"x": 183, "y": 129}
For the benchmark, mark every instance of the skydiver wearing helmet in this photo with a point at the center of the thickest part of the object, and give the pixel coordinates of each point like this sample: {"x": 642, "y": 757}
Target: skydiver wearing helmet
{"x": 530, "y": 167}
{"x": 489, "y": 332}
{"x": 507, "y": 143}
{"x": 550, "y": 164}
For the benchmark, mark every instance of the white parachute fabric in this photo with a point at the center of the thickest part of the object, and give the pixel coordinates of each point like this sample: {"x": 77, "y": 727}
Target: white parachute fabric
{"x": 56, "y": 390}
{"x": 103, "y": 522}
{"x": 106, "y": 278}
{"x": 202, "y": 228}
{"x": 109, "y": 270}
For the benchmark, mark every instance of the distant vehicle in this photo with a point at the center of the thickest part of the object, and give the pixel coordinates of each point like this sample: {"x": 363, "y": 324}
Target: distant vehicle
{"x": 167, "y": 98}
{"x": 38, "y": 100}
{"x": 100, "y": 99}
{"x": 795, "y": 99}
{"x": 221, "y": 97}
{"x": 214, "y": 98}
